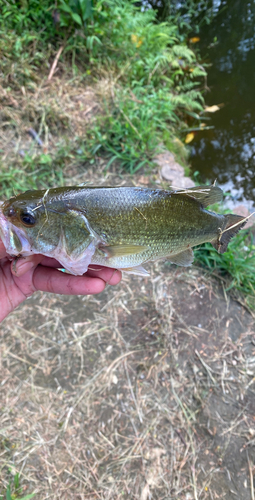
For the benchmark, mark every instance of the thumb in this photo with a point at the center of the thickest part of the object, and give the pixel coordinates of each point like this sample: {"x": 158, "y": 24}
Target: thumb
{"x": 22, "y": 265}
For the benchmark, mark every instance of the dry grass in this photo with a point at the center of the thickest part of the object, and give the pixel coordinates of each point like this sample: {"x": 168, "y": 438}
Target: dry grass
{"x": 145, "y": 391}
{"x": 55, "y": 108}
{"x": 41, "y": 132}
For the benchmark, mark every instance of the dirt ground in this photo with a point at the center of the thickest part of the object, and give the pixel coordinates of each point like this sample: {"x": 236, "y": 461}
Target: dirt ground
{"x": 145, "y": 392}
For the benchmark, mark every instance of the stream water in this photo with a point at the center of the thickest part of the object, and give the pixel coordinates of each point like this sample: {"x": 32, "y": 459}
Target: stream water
{"x": 227, "y": 152}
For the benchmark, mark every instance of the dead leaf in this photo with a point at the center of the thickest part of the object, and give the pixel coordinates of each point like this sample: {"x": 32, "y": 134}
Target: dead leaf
{"x": 143, "y": 180}
{"x": 194, "y": 39}
{"x": 136, "y": 40}
{"x": 189, "y": 137}
{"x": 212, "y": 109}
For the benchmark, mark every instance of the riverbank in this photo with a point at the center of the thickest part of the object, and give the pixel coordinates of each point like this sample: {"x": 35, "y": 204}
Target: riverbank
{"x": 146, "y": 391}
{"x": 42, "y": 143}
{"x": 115, "y": 86}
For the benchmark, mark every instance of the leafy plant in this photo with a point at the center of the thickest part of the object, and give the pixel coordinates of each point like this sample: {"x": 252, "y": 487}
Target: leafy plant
{"x": 75, "y": 11}
{"x": 189, "y": 14}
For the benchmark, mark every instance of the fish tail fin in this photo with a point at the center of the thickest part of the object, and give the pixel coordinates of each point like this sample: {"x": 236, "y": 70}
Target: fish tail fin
{"x": 233, "y": 224}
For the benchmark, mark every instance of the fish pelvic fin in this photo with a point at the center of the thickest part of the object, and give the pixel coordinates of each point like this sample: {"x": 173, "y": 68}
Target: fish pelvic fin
{"x": 184, "y": 258}
{"x": 121, "y": 250}
{"x": 206, "y": 195}
{"x": 233, "y": 224}
{"x": 138, "y": 270}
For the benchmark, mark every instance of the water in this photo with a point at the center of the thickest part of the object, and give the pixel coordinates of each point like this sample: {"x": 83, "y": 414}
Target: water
{"x": 227, "y": 153}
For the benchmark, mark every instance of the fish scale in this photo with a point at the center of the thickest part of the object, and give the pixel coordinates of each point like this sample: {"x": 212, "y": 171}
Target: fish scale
{"x": 122, "y": 227}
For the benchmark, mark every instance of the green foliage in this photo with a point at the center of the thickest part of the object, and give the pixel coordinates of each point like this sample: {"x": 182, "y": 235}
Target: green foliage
{"x": 26, "y": 27}
{"x": 154, "y": 75}
{"x": 32, "y": 172}
{"x": 13, "y": 491}
{"x": 133, "y": 123}
{"x": 191, "y": 14}
{"x": 237, "y": 264}
{"x": 153, "y": 84}
{"x": 138, "y": 47}
{"x": 75, "y": 12}
{"x": 20, "y": 59}
{"x": 26, "y": 16}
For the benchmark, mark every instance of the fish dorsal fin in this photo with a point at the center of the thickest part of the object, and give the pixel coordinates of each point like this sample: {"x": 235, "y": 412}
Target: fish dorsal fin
{"x": 184, "y": 258}
{"x": 122, "y": 250}
{"x": 206, "y": 195}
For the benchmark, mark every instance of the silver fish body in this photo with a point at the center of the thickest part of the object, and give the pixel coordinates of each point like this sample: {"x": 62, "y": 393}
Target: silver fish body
{"x": 122, "y": 227}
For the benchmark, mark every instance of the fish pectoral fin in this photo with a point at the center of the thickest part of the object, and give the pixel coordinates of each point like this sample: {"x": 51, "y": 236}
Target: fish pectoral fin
{"x": 206, "y": 195}
{"x": 183, "y": 258}
{"x": 138, "y": 270}
{"x": 79, "y": 265}
{"x": 121, "y": 250}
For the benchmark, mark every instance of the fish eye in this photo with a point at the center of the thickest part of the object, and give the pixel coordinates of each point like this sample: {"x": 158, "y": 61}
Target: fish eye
{"x": 27, "y": 218}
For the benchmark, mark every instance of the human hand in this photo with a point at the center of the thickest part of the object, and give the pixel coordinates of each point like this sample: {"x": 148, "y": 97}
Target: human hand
{"x": 20, "y": 278}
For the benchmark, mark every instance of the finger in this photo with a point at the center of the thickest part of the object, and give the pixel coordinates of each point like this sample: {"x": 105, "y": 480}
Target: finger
{"x": 51, "y": 280}
{"x": 45, "y": 261}
{"x": 109, "y": 275}
{"x": 50, "y": 262}
{"x": 22, "y": 265}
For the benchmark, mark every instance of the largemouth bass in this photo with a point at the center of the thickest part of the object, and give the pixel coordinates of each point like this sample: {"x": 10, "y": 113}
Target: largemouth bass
{"x": 121, "y": 227}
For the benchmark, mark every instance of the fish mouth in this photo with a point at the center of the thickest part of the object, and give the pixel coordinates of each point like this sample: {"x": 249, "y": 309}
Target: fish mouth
{"x": 13, "y": 238}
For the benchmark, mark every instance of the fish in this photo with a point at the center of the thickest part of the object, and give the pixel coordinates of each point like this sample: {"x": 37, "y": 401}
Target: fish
{"x": 117, "y": 227}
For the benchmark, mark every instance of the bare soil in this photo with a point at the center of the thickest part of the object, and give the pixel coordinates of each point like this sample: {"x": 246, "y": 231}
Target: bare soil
{"x": 146, "y": 391}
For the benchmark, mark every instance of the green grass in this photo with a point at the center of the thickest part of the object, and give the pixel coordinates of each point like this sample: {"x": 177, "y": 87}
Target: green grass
{"x": 155, "y": 76}
{"x": 14, "y": 491}
{"x": 34, "y": 171}
{"x": 237, "y": 264}
{"x": 133, "y": 124}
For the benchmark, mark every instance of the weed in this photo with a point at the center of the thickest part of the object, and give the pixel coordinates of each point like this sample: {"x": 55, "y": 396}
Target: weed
{"x": 132, "y": 124}
{"x": 32, "y": 172}
{"x": 13, "y": 490}
{"x": 237, "y": 264}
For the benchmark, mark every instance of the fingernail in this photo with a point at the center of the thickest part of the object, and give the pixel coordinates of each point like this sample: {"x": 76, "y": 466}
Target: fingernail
{"x": 22, "y": 265}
